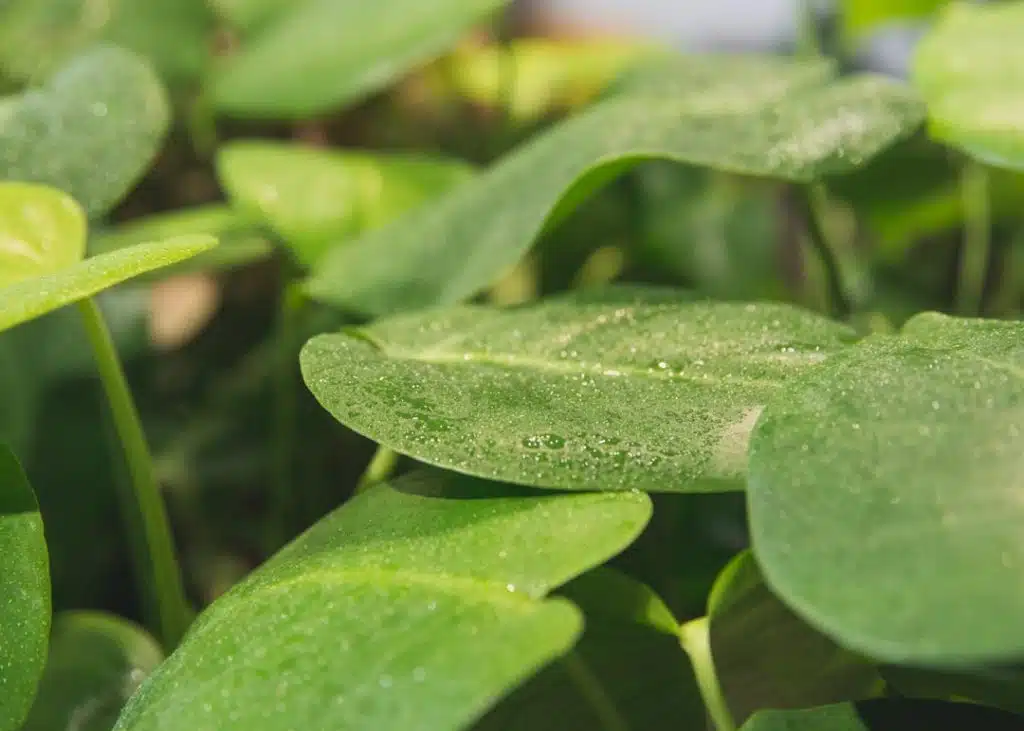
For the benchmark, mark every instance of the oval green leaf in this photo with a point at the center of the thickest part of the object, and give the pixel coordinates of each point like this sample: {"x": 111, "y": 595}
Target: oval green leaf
{"x": 327, "y": 53}
{"x": 779, "y": 121}
{"x": 886, "y": 715}
{"x": 961, "y": 68}
{"x": 91, "y": 131}
{"x": 30, "y": 298}
{"x": 884, "y": 494}
{"x": 42, "y": 231}
{"x": 313, "y": 198}
{"x": 96, "y": 662}
{"x": 25, "y": 588}
{"x": 427, "y": 595}
{"x": 639, "y": 393}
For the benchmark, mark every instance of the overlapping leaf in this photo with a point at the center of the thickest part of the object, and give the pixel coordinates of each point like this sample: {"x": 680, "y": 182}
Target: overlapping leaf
{"x": 416, "y": 605}
{"x": 635, "y": 391}
{"x": 885, "y": 715}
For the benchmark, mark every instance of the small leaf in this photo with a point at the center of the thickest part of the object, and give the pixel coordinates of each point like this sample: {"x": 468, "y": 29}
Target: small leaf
{"x": 634, "y": 394}
{"x": 884, "y": 494}
{"x": 862, "y": 17}
{"x": 42, "y": 231}
{"x": 416, "y": 605}
{"x": 25, "y": 588}
{"x": 961, "y": 68}
{"x": 96, "y": 662}
{"x": 886, "y": 715}
{"x": 91, "y": 131}
{"x": 766, "y": 657}
{"x": 312, "y": 198}
{"x": 781, "y": 123}
{"x": 324, "y": 54}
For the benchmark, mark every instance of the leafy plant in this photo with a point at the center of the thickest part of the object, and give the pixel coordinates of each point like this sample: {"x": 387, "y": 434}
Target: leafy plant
{"x": 503, "y": 419}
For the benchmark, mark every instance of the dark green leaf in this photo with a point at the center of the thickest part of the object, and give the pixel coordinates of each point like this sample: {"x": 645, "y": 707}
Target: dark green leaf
{"x": 657, "y": 395}
{"x": 96, "y": 662}
{"x": 25, "y": 588}
{"x": 91, "y": 131}
{"x": 1000, "y": 687}
{"x": 886, "y": 715}
{"x": 416, "y": 605}
{"x": 767, "y": 657}
{"x": 884, "y": 494}
{"x": 326, "y": 53}
{"x": 779, "y": 121}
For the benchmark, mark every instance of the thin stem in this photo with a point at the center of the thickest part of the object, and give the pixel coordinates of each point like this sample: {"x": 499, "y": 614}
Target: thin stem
{"x": 808, "y": 42}
{"x": 590, "y": 687}
{"x": 379, "y": 469}
{"x": 285, "y": 412}
{"x": 977, "y": 243}
{"x": 810, "y": 212}
{"x": 694, "y": 638}
{"x": 153, "y": 553}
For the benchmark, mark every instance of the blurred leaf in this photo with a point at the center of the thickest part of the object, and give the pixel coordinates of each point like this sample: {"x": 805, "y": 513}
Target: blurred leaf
{"x": 96, "y": 662}
{"x": 313, "y": 198}
{"x": 630, "y": 394}
{"x": 777, "y": 128}
{"x": 908, "y": 490}
{"x": 967, "y": 69}
{"x": 92, "y": 131}
{"x": 1000, "y": 687}
{"x": 176, "y": 36}
{"x": 324, "y": 54}
{"x": 247, "y": 15}
{"x": 25, "y": 588}
{"x": 861, "y": 17}
{"x": 429, "y": 592}
{"x": 19, "y": 390}
{"x": 767, "y": 657}
{"x": 886, "y": 715}
{"x": 42, "y": 231}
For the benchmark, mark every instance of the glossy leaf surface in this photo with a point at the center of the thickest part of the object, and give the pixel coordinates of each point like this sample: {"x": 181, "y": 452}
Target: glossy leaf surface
{"x": 885, "y": 715}
{"x": 25, "y": 588}
{"x": 41, "y": 232}
{"x": 966, "y": 69}
{"x": 428, "y": 592}
{"x": 634, "y": 393}
{"x": 91, "y": 131}
{"x": 897, "y": 466}
{"x": 312, "y": 198}
{"x": 96, "y": 662}
{"x": 778, "y": 121}
{"x": 766, "y": 657}
{"x": 323, "y": 54}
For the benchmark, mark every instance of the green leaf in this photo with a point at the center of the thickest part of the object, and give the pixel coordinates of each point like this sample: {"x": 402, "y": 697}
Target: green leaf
{"x": 861, "y": 17}
{"x": 247, "y": 15}
{"x": 428, "y": 592}
{"x": 767, "y": 657}
{"x": 25, "y": 588}
{"x": 41, "y": 232}
{"x": 314, "y": 198}
{"x": 961, "y": 68}
{"x": 96, "y": 662}
{"x": 886, "y": 715}
{"x": 627, "y": 672}
{"x": 884, "y": 494}
{"x": 1000, "y": 687}
{"x": 776, "y": 121}
{"x": 92, "y": 131}
{"x": 638, "y": 393}
{"x": 327, "y": 53}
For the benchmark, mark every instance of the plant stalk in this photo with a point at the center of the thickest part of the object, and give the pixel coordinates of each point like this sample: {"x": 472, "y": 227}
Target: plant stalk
{"x": 808, "y": 40}
{"x": 153, "y": 553}
{"x": 811, "y": 215}
{"x": 977, "y": 244}
{"x": 591, "y": 689}
{"x": 379, "y": 469}
{"x": 694, "y": 638}
{"x": 285, "y": 414}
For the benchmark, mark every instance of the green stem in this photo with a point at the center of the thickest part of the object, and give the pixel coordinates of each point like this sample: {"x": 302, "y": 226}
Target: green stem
{"x": 977, "y": 243}
{"x": 285, "y": 414}
{"x": 694, "y": 638}
{"x": 808, "y": 42}
{"x": 810, "y": 212}
{"x": 593, "y": 691}
{"x": 153, "y": 553}
{"x": 379, "y": 469}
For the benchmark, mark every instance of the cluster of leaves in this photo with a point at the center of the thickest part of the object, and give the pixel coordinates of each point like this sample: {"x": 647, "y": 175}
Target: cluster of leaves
{"x": 561, "y": 549}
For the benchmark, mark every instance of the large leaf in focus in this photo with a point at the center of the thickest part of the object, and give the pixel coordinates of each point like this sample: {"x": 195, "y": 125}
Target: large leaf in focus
{"x": 766, "y": 657}
{"x": 25, "y": 588}
{"x": 312, "y": 198}
{"x": 627, "y": 672}
{"x": 636, "y": 393}
{"x": 779, "y": 121}
{"x": 969, "y": 71}
{"x": 885, "y": 488}
{"x": 96, "y": 662}
{"x": 91, "y": 131}
{"x": 886, "y": 715}
{"x": 416, "y": 605}
{"x": 861, "y": 17}
{"x": 323, "y": 54}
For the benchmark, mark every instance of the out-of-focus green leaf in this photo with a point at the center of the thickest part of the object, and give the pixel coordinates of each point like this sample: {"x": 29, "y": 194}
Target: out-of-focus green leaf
{"x": 91, "y": 131}
{"x": 96, "y": 662}
{"x": 427, "y": 594}
{"x": 861, "y": 17}
{"x": 886, "y": 715}
{"x": 1000, "y": 687}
